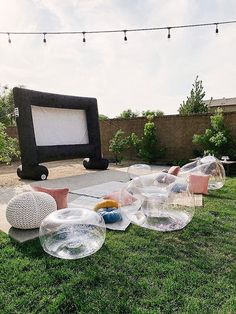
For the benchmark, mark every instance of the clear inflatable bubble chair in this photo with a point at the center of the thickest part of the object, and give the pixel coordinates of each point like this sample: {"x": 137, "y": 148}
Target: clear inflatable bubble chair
{"x": 138, "y": 170}
{"x": 164, "y": 202}
{"x": 208, "y": 165}
{"x": 72, "y": 233}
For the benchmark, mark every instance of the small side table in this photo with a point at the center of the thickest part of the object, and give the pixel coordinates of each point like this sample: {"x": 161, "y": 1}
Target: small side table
{"x": 227, "y": 164}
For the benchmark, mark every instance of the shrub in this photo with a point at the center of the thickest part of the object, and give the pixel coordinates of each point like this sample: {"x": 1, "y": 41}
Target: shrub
{"x": 216, "y": 140}
{"x": 8, "y": 146}
{"x": 147, "y": 146}
{"x": 118, "y": 144}
{"x": 6, "y": 106}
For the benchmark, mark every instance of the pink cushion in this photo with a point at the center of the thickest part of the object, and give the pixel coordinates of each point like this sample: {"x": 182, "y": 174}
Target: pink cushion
{"x": 122, "y": 197}
{"x": 60, "y": 195}
{"x": 174, "y": 170}
{"x": 198, "y": 184}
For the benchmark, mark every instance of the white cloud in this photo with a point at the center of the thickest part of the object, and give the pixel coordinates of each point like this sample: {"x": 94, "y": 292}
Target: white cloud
{"x": 149, "y": 72}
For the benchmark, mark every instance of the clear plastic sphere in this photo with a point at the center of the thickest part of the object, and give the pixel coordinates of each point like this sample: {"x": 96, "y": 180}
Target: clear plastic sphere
{"x": 208, "y": 165}
{"x": 161, "y": 206}
{"x": 72, "y": 233}
{"x": 138, "y": 170}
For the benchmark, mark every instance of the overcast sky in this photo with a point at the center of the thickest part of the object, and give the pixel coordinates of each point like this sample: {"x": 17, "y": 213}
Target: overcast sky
{"x": 147, "y": 72}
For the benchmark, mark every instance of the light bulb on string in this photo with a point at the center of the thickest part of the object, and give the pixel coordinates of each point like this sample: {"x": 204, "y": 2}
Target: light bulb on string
{"x": 84, "y": 39}
{"x": 168, "y": 36}
{"x": 125, "y": 37}
{"x": 217, "y": 29}
{"x": 44, "y": 38}
{"x": 9, "y": 38}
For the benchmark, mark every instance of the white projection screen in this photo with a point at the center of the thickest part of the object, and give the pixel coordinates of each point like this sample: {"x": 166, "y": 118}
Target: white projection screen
{"x": 56, "y": 127}
{"x": 59, "y": 126}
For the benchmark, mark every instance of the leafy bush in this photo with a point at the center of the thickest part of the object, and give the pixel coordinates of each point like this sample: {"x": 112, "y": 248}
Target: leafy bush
{"x": 147, "y": 146}
{"x": 216, "y": 140}
{"x": 8, "y": 146}
{"x": 6, "y": 106}
{"x": 118, "y": 144}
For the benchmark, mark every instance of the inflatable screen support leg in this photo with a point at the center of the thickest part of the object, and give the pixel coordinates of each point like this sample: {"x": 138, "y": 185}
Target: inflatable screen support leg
{"x": 37, "y": 172}
{"x": 92, "y": 163}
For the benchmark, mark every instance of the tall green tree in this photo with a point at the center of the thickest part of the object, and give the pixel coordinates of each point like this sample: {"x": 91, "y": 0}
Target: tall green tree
{"x": 194, "y": 102}
{"x": 6, "y": 106}
{"x": 126, "y": 114}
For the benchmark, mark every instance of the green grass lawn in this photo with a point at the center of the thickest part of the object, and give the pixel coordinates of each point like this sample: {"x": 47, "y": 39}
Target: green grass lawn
{"x": 137, "y": 271}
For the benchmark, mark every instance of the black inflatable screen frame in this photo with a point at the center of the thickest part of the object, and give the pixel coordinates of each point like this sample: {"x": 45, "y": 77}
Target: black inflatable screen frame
{"x": 32, "y": 155}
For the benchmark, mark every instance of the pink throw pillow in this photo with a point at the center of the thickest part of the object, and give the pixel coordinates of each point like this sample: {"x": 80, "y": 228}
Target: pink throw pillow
{"x": 198, "y": 184}
{"x": 174, "y": 170}
{"x": 123, "y": 198}
{"x": 60, "y": 195}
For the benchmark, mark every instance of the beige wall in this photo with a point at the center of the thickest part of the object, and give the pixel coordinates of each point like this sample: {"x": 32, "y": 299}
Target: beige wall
{"x": 12, "y": 132}
{"x": 174, "y": 132}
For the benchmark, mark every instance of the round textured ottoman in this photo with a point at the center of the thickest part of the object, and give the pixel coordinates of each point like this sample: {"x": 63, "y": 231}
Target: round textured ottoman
{"x": 27, "y": 210}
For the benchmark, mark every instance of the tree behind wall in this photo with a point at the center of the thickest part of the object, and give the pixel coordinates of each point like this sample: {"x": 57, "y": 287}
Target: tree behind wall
{"x": 103, "y": 117}
{"x": 154, "y": 113}
{"x": 194, "y": 103}
{"x": 126, "y": 114}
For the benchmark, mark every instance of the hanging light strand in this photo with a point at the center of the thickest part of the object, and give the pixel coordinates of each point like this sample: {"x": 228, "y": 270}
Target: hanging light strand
{"x": 168, "y": 28}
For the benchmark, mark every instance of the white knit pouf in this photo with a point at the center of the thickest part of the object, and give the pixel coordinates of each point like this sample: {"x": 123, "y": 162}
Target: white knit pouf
{"x": 27, "y": 210}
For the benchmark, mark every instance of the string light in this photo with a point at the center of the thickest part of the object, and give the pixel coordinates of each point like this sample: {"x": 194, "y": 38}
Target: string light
{"x": 168, "y": 28}
{"x": 84, "y": 39}
{"x": 168, "y": 36}
{"x": 125, "y": 37}
{"x": 9, "y": 38}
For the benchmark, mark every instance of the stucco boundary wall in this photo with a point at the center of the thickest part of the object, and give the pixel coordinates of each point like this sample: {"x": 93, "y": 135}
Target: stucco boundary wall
{"x": 174, "y": 132}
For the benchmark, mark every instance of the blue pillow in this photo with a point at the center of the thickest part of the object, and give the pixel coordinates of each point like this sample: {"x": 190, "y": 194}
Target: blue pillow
{"x": 179, "y": 187}
{"x": 111, "y": 216}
